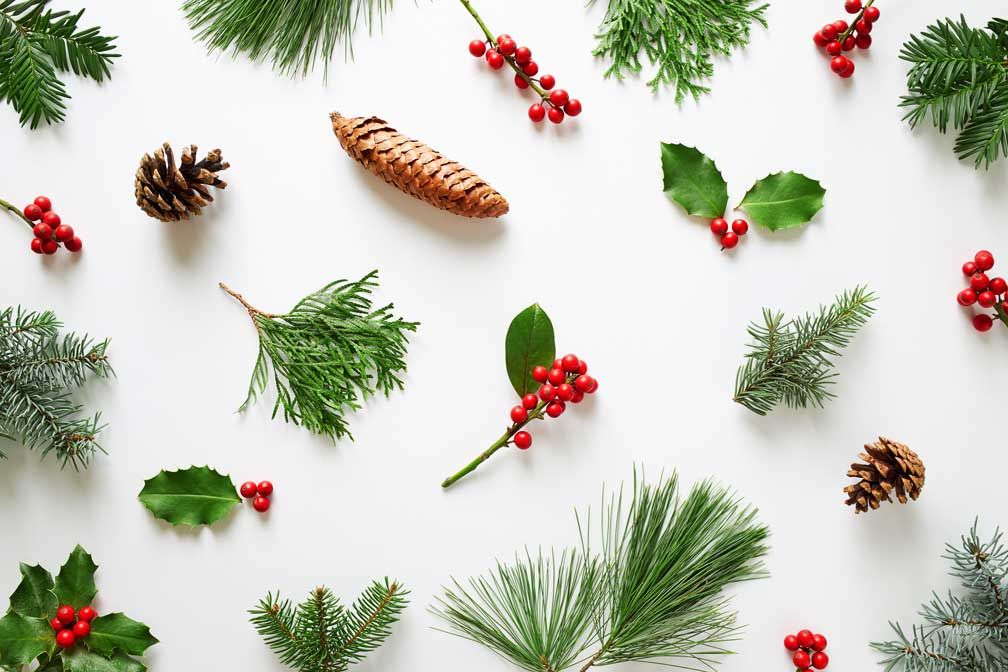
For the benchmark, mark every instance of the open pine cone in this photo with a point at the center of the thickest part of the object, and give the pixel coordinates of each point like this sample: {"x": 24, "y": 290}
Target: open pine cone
{"x": 888, "y": 466}
{"x": 171, "y": 193}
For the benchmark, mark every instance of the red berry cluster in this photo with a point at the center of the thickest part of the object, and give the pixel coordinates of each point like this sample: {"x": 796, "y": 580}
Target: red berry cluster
{"x": 840, "y": 36}
{"x": 259, "y": 493}
{"x": 50, "y": 231}
{"x": 555, "y": 104}
{"x": 729, "y": 239}
{"x": 70, "y": 626}
{"x": 568, "y": 380}
{"x": 983, "y": 290}
{"x": 809, "y": 650}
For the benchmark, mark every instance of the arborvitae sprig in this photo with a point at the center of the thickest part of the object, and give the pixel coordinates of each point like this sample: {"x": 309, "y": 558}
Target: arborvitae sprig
{"x": 960, "y": 633}
{"x": 790, "y": 361}
{"x": 679, "y": 37}
{"x": 320, "y": 634}
{"x": 37, "y": 367}
{"x": 37, "y": 43}
{"x": 651, "y": 591}
{"x": 959, "y": 78}
{"x": 329, "y": 351}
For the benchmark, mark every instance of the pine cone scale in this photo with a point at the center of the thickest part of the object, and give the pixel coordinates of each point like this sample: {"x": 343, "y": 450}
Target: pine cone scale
{"x": 889, "y": 467}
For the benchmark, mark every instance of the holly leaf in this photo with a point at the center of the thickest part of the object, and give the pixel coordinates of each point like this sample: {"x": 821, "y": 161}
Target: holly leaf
{"x": 693, "y": 181}
{"x": 34, "y": 596}
{"x": 118, "y": 632}
{"x": 529, "y": 343}
{"x": 75, "y": 582}
{"x": 193, "y": 496}
{"x": 783, "y": 200}
{"x": 23, "y": 639}
{"x": 79, "y": 659}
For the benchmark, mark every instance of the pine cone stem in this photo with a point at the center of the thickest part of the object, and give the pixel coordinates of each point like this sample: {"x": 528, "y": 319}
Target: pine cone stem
{"x": 20, "y": 215}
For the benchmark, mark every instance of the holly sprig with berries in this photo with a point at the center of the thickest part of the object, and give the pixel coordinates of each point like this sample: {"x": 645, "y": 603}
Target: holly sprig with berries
{"x": 47, "y": 227}
{"x": 840, "y": 36}
{"x": 544, "y": 383}
{"x": 984, "y": 291}
{"x": 51, "y": 622}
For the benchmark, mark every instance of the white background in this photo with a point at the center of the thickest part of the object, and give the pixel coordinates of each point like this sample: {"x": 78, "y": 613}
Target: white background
{"x": 631, "y": 283}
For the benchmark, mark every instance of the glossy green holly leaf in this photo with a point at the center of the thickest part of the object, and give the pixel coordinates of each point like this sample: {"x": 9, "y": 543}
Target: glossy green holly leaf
{"x": 529, "y": 343}
{"x": 118, "y": 632}
{"x": 693, "y": 181}
{"x": 79, "y": 659}
{"x": 193, "y": 496}
{"x": 783, "y": 200}
{"x": 75, "y": 582}
{"x": 23, "y": 639}
{"x": 34, "y": 596}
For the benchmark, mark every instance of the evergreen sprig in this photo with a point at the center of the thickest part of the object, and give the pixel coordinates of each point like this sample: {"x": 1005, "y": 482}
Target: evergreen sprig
{"x": 36, "y": 44}
{"x": 320, "y": 634}
{"x": 37, "y": 368}
{"x": 791, "y": 361}
{"x": 679, "y": 37}
{"x": 330, "y": 351}
{"x": 959, "y": 78}
{"x": 960, "y": 633}
{"x": 651, "y": 592}
{"x": 293, "y": 34}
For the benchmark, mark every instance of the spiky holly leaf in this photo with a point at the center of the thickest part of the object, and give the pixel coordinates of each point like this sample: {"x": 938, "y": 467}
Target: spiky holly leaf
{"x": 529, "y": 343}
{"x": 783, "y": 200}
{"x": 23, "y": 639}
{"x": 193, "y": 496}
{"x": 117, "y": 632}
{"x": 75, "y": 583}
{"x": 693, "y": 181}
{"x": 34, "y": 596}
{"x": 79, "y": 659}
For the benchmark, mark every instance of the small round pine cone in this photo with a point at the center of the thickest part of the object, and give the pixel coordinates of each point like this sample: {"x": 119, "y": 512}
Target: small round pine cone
{"x": 171, "y": 193}
{"x": 889, "y": 467}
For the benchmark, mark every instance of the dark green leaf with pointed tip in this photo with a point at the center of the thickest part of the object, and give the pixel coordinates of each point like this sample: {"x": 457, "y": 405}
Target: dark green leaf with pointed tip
{"x": 783, "y": 200}
{"x": 34, "y": 596}
{"x": 118, "y": 632}
{"x": 693, "y": 181}
{"x": 193, "y": 496}
{"x": 23, "y": 639}
{"x": 75, "y": 583}
{"x": 79, "y": 659}
{"x": 529, "y": 343}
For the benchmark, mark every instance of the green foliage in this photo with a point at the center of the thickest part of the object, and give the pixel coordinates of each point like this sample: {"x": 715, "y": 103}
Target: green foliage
{"x": 330, "y": 350}
{"x": 293, "y": 34}
{"x": 36, "y": 44}
{"x": 678, "y": 37}
{"x": 36, "y": 368}
{"x": 529, "y": 343}
{"x": 693, "y": 180}
{"x": 958, "y": 79}
{"x": 650, "y": 592}
{"x": 320, "y": 634}
{"x": 960, "y": 633}
{"x": 79, "y": 659}
{"x": 75, "y": 584}
{"x": 790, "y": 361}
{"x": 34, "y": 596}
{"x": 117, "y": 632}
{"x": 783, "y": 200}
{"x": 23, "y": 638}
{"x": 193, "y": 496}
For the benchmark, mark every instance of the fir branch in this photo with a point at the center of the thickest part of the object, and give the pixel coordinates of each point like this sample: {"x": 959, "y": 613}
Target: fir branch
{"x": 679, "y": 37}
{"x": 330, "y": 351}
{"x": 293, "y": 34}
{"x": 791, "y": 362}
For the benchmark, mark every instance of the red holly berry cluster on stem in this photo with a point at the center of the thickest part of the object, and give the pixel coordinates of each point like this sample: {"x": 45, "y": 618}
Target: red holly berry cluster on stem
{"x": 984, "y": 291}
{"x": 808, "y": 650}
{"x": 47, "y": 227}
{"x": 259, "y": 493}
{"x": 840, "y": 36}
{"x": 729, "y": 239}
{"x": 71, "y": 626}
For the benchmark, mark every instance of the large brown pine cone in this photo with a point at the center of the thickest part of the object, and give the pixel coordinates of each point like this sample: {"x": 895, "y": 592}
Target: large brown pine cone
{"x": 417, "y": 169}
{"x": 171, "y": 193}
{"x": 888, "y": 466}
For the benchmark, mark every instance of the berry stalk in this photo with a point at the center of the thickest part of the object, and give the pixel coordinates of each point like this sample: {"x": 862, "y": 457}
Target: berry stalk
{"x": 850, "y": 29}
{"x": 510, "y": 60}
{"x": 17, "y": 212}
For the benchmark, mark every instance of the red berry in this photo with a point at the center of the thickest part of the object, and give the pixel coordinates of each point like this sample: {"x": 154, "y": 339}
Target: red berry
{"x": 42, "y": 231}
{"x": 506, "y": 45}
{"x": 52, "y": 219}
{"x": 74, "y": 244}
{"x": 495, "y": 60}
{"x": 871, "y": 14}
{"x": 839, "y": 64}
{"x": 582, "y": 367}
{"x": 86, "y": 614}
{"x": 573, "y": 107}
{"x": 547, "y": 392}
{"x": 36, "y": 246}
{"x": 846, "y": 74}
{"x": 558, "y": 363}
{"x": 570, "y": 363}
{"x": 818, "y": 642}
{"x": 984, "y": 260}
{"x": 559, "y": 97}
{"x": 530, "y": 401}
{"x": 594, "y": 387}
{"x": 719, "y": 226}
{"x": 820, "y": 660}
{"x": 987, "y": 299}
{"x": 805, "y": 639}
{"x": 65, "y": 638}
{"x": 729, "y": 240}
{"x": 537, "y": 112}
{"x": 557, "y": 376}
{"x": 547, "y": 82}
{"x": 740, "y": 226}
{"x": 801, "y": 660}
{"x": 583, "y": 383}
{"x": 998, "y": 285}
{"x": 578, "y": 397}
{"x": 248, "y": 489}
{"x": 531, "y": 68}
{"x": 849, "y": 43}
{"x": 33, "y": 212}
{"x": 56, "y": 624}
{"x": 834, "y": 48}
{"x": 840, "y": 25}
{"x": 820, "y": 39}
{"x": 81, "y": 629}
{"x": 519, "y": 414}
{"x": 49, "y": 246}
{"x": 261, "y": 504}
{"x": 852, "y": 6}
{"x": 983, "y": 323}
{"x": 520, "y": 82}
{"x": 979, "y": 282}
{"x": 829, "y": 31}
{"x": 862, "y": 27}
{"x": 523, "y": 55}
{"x": 540, "y": 374}
{"x": 969, "y": 268}
{"x": 65, "y": 614}
{"x": 791, "y": 643}
{"x": 967, "y": 297}
{"x": 555, "y": 408}
{"x": 43, "y": 203}
{"x": 565, "y": 392}
{"x": 477, "y": 48}
{"x": 265, "y": 488}
{"x": 523, "y": 440}
{"x": 63, "y": 233}
{"x": 556, "y": 115}
{"x": 863, "y": 41}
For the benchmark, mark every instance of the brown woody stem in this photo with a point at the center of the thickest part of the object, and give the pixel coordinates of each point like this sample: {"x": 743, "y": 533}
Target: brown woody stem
{"x": 7, "y": 206}
{"x": 850, "y": 29}
{"x": 252, "y": 310}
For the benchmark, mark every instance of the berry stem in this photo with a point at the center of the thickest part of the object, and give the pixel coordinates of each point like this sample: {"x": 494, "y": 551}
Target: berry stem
{"x": 510, "y": 59}
{"x": 850, "y": 28}
{"x": 16, "y": 211}
{"x": 1002, "y": 314}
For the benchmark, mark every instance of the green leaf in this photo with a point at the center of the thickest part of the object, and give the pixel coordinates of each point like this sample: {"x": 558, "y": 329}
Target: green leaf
{"x": 529, "y": 343}
{"x": 75, "y": 582}
{"x": 79, "y": 659}
{"x": 22, "y": 639}
{"x": 118, "y": 632}
{"x": 783, "y": 200}
{"x": 34, "y": 596}
{"x": 193, "y": 496}
{"x": 693, "y": 181}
